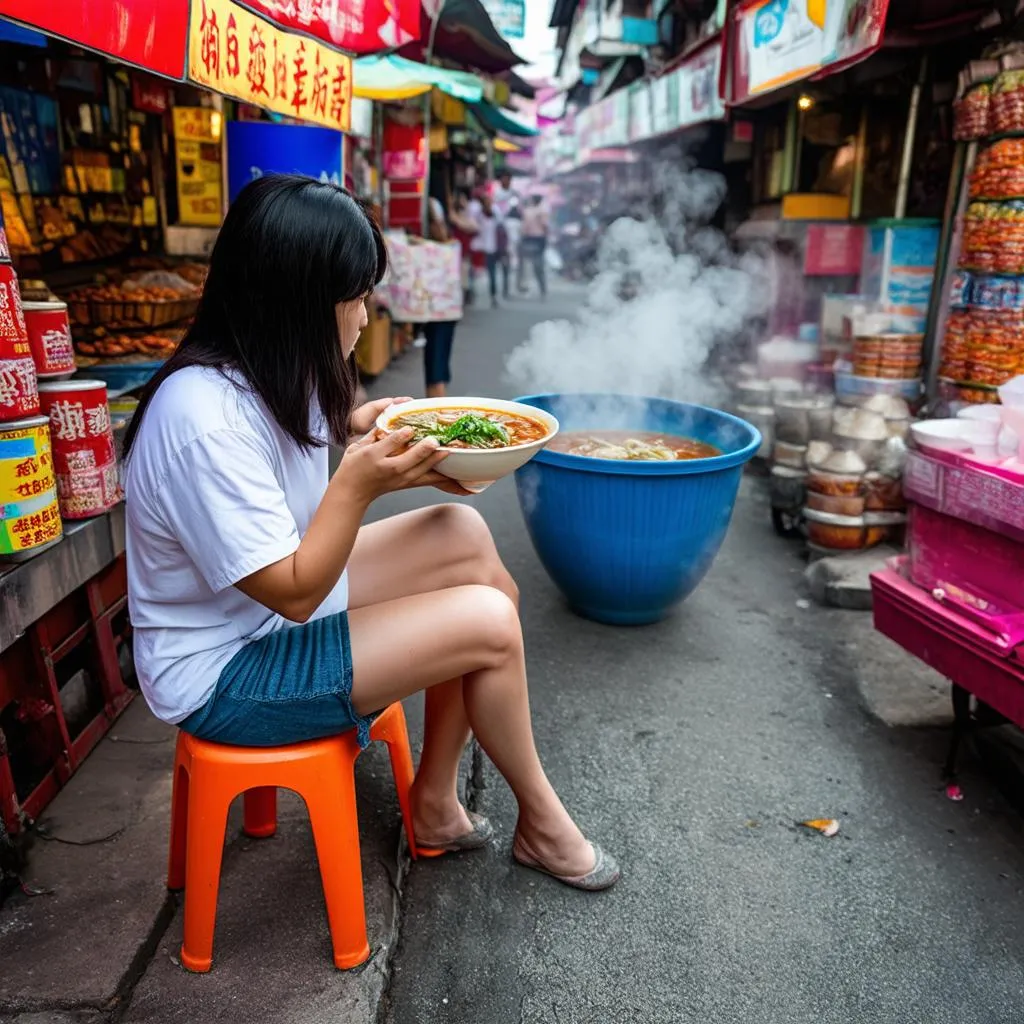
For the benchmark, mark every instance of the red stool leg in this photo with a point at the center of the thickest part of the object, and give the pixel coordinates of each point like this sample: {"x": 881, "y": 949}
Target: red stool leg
{"x": 394, "y": 732}
{"x": 207, "y": 821}
{"x": 179, "y": 827}
{"x": 260, "y": 817}
{"x": 332, "y": 815}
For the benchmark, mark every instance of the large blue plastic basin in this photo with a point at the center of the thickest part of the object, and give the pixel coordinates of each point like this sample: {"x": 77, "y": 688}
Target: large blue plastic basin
{"x": 626, "y": 542}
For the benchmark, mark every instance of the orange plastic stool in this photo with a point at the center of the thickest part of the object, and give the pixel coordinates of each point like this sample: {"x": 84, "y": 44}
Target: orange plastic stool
{"x": 208, "y": 776}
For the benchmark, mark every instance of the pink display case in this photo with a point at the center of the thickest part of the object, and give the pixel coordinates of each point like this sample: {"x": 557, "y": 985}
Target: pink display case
{"x": 970, "y": 569}
{"x": 983, "y": 495}
{"x": 958, "y": 645}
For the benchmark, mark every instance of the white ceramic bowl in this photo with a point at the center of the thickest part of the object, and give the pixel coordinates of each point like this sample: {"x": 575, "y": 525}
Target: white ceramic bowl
{"x": 941, "y": 435}
{"x": 478, "y": 468}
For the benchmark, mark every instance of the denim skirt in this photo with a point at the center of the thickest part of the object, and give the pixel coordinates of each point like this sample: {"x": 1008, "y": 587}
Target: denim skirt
{"x": 291, "y": 685}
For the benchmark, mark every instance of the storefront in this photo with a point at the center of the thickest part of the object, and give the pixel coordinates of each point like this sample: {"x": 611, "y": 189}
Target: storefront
{"x": 116, "y": 165}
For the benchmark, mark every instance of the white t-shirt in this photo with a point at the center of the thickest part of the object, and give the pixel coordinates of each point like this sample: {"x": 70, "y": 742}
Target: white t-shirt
{"x": 214, "y": 491}
{"x": 486, "y": 238}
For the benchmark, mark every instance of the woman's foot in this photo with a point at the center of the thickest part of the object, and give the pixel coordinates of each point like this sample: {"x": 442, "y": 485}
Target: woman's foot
{"x": 480, "y": 833}
{"x": 444, "y": 825}
{"x": 602, "y": 873}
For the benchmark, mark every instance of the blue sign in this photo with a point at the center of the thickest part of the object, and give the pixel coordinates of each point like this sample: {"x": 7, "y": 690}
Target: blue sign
{"x": 11, "y": 33}
{"x": 256, "y": 148}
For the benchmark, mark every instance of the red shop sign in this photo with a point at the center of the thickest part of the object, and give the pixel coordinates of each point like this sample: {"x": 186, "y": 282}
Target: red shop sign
{"x": 405, "y": 156}
{"x": 358, "y": 26}
{"x": 151, "y": 97}
{"x": 151, "y": 34}
{"x": 833, "y": 250}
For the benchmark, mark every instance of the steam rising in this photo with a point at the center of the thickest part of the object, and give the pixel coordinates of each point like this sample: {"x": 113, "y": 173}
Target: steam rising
{"x": 669, "y": 289}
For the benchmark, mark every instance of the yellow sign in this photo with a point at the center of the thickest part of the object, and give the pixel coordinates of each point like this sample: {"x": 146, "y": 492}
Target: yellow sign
{"x": 198, "y": 160}
{"x": 239, "y": 54}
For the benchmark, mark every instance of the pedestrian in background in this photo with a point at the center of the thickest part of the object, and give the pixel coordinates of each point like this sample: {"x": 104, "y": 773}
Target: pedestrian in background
{"x": 440, "y": 335}
{"x": 485, "y": 242}
{"x": 463, "y": 228}
{"x": 533, "y": 248}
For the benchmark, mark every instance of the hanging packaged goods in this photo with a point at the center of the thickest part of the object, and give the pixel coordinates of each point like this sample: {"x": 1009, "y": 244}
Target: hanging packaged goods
{"x": 778, "y": 42}
{"x": 234, "y": 52}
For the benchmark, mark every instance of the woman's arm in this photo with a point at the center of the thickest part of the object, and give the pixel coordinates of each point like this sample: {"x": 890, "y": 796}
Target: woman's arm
{"x": 297, "y": 585}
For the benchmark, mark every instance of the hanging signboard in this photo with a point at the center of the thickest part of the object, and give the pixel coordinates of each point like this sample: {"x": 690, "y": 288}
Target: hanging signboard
{"x": 150, "y": 34}
{"x": 405, "y": 152}
{"x": 778, "y": 42}
{"x": 234, "y": 52}
{"x": 358, "y": 26}
{"x": 197, "y": 155}
{"x": 664, "y": 104}
{"x": 256, "y": 148}
{"x": 640, "y": 120}
{"x": 509, "y": 17}
{"x": 699, "y": 100}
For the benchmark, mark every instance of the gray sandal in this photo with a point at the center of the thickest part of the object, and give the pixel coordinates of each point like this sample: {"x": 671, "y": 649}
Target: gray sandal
{"x": 603, "y": 875}
{"x": 479, "y": 836}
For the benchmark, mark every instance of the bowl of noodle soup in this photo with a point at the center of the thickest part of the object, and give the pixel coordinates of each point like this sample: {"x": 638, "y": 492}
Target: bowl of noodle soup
{"x": 485, "y": 438}
{"x": 628, "y": 507}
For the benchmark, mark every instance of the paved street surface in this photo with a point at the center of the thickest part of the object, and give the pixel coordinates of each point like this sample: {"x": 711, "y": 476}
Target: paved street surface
{"x": 690, "y": 749}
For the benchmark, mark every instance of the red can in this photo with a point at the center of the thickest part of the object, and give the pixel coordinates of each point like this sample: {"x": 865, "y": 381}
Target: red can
{"x": 83, "y": 446}
{"x": 13, "y": 334}
{"x": 49, "y": 337}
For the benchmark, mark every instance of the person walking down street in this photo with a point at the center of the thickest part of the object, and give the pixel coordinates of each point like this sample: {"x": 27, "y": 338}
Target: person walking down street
{"x": 485, "y": 242}
{"x": 533, "y": 248}
{"x": 440, "y": 335}
{"x": 513, "y": 224}
{"x": 264, "y": 612}
{"x": 463, "y": 230}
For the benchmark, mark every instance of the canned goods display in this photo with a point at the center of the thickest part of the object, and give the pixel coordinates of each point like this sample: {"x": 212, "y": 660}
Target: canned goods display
{"x": 13, "y": 334}
{"x": 49, "y": 337}
{"x": 83, "y": 446}
{"x": 29, "y": 514}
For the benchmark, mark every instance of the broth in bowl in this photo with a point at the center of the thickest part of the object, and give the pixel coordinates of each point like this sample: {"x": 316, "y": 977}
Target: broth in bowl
{"x": 631, "y": 445}
{"x": 465, "y": 428}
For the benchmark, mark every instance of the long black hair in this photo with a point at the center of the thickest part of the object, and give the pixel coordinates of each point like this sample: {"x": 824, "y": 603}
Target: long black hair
{"x": 290, "y": 249}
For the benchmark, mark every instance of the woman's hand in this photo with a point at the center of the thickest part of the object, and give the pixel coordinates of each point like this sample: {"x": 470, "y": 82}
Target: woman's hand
{"x": 374, "y": 466}
{"x": 363, "y": 419}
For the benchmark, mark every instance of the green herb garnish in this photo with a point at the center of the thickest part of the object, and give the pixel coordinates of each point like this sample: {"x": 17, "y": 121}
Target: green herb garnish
{"x": 469, "y": 429}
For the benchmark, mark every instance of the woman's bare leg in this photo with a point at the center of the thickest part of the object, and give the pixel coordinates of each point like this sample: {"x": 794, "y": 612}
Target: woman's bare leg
{"x": 419, "y": 552}
{"x": 473, "y": 633}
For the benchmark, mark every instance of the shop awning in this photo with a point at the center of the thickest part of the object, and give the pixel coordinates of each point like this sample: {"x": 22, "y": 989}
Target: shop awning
{"x": 465, "y": 35}
{"x": 505, "y": 146}
{"x": 149, "y": 34}
{"x": 154, "y": 34}
{"x": 395, "y": 78}
{"x": 495, "y": 120}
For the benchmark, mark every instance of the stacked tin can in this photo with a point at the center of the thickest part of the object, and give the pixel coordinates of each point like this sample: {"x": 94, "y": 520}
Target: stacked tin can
{"x": 29, "y": 513}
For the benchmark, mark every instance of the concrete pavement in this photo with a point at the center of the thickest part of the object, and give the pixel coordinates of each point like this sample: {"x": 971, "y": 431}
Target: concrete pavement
{"x": 690, "y": 749}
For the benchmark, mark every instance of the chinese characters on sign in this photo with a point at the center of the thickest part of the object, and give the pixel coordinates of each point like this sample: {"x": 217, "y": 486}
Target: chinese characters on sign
{"x": 358, "y": 26}
{"x": 198, "y": 167}
{"x": 239, "y": 54}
